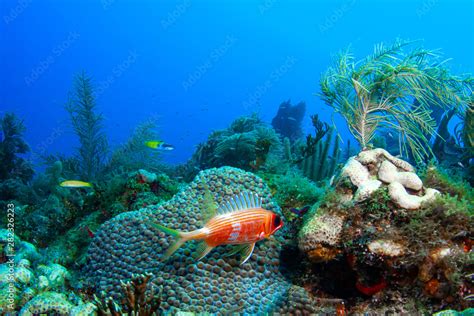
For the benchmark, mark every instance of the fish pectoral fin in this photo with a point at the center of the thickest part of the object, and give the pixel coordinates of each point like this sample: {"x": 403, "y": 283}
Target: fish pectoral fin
{"x": 202, "y": 250}
{"x": 236, "y": 249}
{"x": 246, "y": 252}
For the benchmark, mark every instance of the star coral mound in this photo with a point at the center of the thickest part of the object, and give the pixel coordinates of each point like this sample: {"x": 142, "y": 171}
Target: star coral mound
{"x": 127, "y": 245}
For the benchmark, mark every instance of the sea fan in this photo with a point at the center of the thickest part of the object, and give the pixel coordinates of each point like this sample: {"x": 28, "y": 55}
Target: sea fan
{"x": 237, "y": 146}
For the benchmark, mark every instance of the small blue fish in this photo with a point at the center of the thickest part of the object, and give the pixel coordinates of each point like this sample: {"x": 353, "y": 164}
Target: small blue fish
{"x": 301, "y": 211}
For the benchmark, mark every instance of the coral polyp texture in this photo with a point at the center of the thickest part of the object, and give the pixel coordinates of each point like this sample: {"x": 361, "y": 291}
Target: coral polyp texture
{"x": 128, "y": 245}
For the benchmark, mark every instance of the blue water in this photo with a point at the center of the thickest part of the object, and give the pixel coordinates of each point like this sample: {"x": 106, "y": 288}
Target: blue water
{"x": 194, "y": 66}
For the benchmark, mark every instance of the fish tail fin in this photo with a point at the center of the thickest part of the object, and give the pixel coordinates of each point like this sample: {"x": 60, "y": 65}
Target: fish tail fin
{"x": 181, "y": 238}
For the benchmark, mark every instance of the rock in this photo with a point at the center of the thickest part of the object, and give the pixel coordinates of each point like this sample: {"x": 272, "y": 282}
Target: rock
{"x": 319, "y": 236}
{"x": 47, "y": 303}
{"x": 146, "y": 176}
{"x": 386, "y": 248}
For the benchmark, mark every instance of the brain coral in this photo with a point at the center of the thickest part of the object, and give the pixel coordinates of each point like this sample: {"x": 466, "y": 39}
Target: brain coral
{"x": 126, "y": 245}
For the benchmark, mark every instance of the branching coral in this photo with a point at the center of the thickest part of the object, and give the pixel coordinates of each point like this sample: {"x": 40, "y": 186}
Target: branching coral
{"x": 88, "y": 126}
{"x": 392, "y": 89}
{"x": 141, "y": 297}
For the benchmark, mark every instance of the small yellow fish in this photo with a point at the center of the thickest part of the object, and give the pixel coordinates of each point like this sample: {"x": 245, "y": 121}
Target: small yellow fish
{"x": 75, "y": 184}
{"x": 158, "y": 144}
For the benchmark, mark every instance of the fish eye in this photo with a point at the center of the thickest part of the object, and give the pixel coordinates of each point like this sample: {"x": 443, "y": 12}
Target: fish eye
{"x": 277, "y": 221}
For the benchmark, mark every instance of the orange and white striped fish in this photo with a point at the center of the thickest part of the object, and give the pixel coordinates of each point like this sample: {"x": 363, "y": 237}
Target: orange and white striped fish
{"x": 240, "y": 221}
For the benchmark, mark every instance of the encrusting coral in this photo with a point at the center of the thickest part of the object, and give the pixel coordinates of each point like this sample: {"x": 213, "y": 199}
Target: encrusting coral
{"x": 39, "y": 286}
{"x": 371, "y": 168}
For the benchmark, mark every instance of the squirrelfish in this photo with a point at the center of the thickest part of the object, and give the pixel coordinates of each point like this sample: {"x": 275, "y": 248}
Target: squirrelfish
{"x": 241, "y": 221}
{"x": 75, "y": 184}
{"x": 158, "y": 144}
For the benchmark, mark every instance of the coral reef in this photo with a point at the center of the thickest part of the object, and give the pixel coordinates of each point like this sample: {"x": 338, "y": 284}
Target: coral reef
{"x": 453, "y": 185}
{"x": 246, "y": 144}
{"x": 385, "y": 251}
{"x": 88, "y": 127}
{"x": 319, "y": 235}
{"x": 35, "y": 286}
{"x": 287, "y": 121}
{"x": 126, "y": 245}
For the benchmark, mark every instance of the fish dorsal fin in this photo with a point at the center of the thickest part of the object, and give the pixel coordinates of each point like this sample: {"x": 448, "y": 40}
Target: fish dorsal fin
{"x": 207, "y": 206}
{"x": 246, "y": 252}
{"x": 238, "y": 202}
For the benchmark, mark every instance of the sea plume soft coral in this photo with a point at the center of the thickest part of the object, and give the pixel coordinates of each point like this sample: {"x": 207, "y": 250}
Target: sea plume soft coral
{"x": 392, "y": 89}
{"x": 88, "y": 126}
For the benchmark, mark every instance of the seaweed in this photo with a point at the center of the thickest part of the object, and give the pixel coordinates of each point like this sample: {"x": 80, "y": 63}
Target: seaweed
{"x": 87, "y": 124}
{"x": 449, "y": 183}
